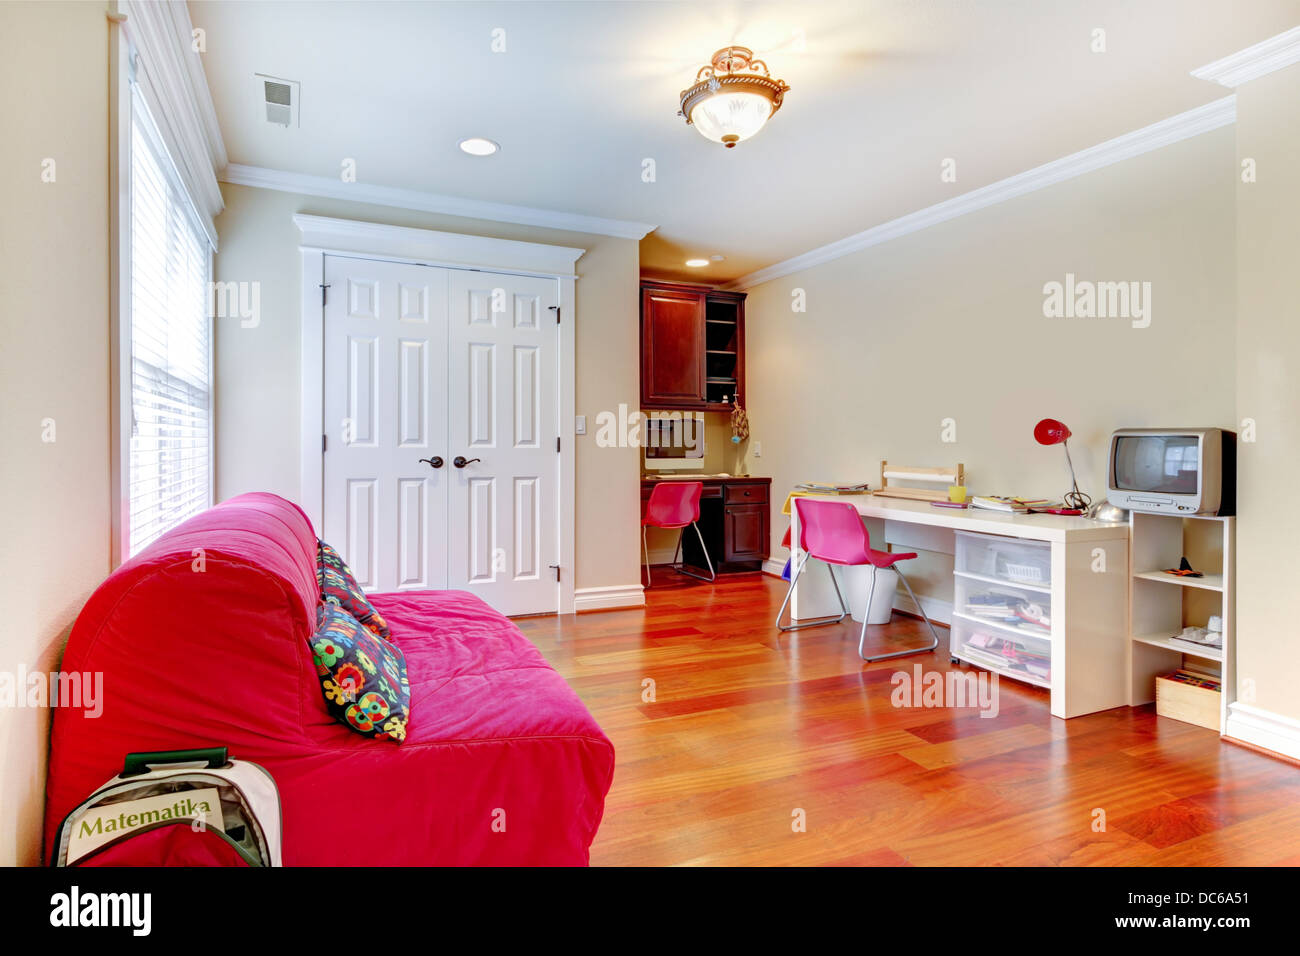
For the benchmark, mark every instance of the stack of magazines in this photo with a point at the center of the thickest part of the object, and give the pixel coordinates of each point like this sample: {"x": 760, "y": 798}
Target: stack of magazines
{"x": 1005, "y": 654}
{"x": 1010, "y": 505}
{"x": 1009, "y": 609}
{"x": 830, "y": 488}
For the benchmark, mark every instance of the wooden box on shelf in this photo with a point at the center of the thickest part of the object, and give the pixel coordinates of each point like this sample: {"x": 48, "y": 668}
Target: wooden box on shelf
{"x": 1187, "y": 696}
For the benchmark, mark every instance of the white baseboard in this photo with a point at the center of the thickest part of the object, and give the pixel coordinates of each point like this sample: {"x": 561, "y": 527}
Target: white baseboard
{"x": 936, "y": 609}
{"x": 607, "y": 598}
{"x": 1263, "y": 728}
{"x": 774, "y": 566}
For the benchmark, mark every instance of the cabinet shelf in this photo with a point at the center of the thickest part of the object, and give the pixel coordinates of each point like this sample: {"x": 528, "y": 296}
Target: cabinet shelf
{"x": 1162, "y": 640}
{"x": 1208, "y": 582}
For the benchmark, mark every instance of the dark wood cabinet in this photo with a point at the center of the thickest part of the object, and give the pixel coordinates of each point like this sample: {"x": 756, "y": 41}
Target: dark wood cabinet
{"x": 746, "y": 533}
{"x": 692, "y": 347}
{"x": 734, "y": 520}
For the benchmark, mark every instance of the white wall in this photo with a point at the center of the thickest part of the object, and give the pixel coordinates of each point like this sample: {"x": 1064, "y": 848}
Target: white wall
{"x": 53, "y": 365}
{"x": 1268, "y": 391}
{"x": 257, "y": 369}
{"x": 948, "y": 323}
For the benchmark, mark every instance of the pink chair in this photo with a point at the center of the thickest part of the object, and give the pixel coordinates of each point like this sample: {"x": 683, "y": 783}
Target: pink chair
{"x": 833, "y": 532}
{"x": 675, "y": 504}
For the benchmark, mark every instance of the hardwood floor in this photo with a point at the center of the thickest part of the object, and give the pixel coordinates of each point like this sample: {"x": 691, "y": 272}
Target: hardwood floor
{"x": 746, "y": 729}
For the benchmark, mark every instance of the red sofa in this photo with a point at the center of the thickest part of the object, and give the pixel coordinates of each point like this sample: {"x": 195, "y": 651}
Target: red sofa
{"x": 202, "y": 640}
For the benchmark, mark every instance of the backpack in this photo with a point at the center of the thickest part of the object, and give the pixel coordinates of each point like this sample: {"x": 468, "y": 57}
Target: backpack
{"x": 176, "y": 808}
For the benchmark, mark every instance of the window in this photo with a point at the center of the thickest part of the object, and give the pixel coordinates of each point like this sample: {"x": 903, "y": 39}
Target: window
{"x": 169, "y": 466}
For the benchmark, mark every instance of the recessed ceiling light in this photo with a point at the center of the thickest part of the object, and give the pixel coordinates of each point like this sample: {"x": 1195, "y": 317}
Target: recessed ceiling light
{"x": 478, "y": 146}
{"x": 697, "y": 263}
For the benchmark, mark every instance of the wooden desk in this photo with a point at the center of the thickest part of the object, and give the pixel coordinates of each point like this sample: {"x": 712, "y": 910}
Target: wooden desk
{"x": 734, "y": 519}
{"x": 1084, "y": 587}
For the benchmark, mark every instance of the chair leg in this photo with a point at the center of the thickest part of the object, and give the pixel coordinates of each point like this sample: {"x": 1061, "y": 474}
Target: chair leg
{"x": 817, "y": 622}
{"x": 918, "y": 650}
{"x": 707, "y": 560}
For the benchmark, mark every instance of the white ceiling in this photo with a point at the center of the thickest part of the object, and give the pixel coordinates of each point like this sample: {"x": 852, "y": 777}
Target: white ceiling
{"x": 882, "y": 91}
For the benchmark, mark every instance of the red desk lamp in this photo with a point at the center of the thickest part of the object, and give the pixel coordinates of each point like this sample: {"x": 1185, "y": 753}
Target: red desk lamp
{"x": 1051, "y": 432}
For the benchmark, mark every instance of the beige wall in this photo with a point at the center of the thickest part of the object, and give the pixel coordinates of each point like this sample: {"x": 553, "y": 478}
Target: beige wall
{"x": 258, "y": 369}
{"x": 1268, "y": 390}
{"x": 948, "y": 323}
{"x": 53, "y": 365}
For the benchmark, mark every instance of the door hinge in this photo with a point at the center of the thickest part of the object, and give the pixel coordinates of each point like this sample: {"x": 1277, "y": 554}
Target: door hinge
{"x": 324, "y": 443}
{"x": 324, "y": 292}
{"x": 557, "y": 444}
{"x": 557, "y": 571}
{"x": 556, "y": 310}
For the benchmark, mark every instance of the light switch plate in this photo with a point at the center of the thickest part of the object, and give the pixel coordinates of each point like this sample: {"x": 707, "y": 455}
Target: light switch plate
{"x": 758, "y": 449}
{"x": 580, "y": 425}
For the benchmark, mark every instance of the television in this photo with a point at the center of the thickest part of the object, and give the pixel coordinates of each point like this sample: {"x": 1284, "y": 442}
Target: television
{"x": 1178, "y": 471}
{"x": 673, "y": 441}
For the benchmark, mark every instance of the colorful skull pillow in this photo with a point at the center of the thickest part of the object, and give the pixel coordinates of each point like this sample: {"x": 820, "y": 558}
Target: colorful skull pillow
{"x": 362, "y": 677}
{"x": 339, "y": 586}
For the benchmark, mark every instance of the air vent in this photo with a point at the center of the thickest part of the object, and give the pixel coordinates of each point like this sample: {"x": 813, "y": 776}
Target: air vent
{"x": 280, "y": 99}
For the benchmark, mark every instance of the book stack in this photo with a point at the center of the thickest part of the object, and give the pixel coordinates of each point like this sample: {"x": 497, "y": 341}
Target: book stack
{"x": 1009, "y": 609}
{"x": 1006, "y": 654}
{"x": 831, "y": 488}
{"x": 1009, "y": 505}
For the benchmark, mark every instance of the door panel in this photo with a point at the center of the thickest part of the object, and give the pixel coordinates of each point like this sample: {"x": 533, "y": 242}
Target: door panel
{"x": 503, "y": 356}
{"x": 385, "y": 407}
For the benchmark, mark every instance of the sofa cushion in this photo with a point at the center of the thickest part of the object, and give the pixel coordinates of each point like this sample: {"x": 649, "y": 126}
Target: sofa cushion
{"x": 362, "y": 677}
{"x": 338, "y": 585}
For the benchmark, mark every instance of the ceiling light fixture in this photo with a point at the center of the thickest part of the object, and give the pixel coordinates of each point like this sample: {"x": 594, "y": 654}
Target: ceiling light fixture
{"x": 697, "y": 263}
{"x": 478, "y": 146}
{"x": 733, "y": 96}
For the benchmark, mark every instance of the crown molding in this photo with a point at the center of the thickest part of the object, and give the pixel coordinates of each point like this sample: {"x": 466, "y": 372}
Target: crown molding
{"x": 1254, "y": 61}
{"x": 331, "y": 188}
{"x": 1202, "y": 119}
{"x": 431, "y": 247}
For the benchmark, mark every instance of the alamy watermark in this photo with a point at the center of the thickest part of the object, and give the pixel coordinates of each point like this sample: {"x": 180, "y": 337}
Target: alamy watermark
{"x": 945, "y": 689}
{"x": 36, "y": 689}
{"x": 637, "y": 429}
{"x": 1085, "y": 299}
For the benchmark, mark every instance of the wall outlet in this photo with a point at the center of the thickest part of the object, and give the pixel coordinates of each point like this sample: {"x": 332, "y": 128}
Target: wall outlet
{"x": 580, "y": 425}
{"x": 758, "y": 449}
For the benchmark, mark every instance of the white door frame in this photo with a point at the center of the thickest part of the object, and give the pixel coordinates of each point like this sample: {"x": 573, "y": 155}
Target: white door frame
{"x": 323, "y": 236}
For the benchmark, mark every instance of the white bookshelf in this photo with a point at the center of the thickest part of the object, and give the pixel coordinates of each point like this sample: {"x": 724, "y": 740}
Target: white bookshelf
{"x": 1161, "y": 604}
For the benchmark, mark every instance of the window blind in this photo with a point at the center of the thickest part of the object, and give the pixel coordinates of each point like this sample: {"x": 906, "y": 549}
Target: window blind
{"x": 171, "y": 401}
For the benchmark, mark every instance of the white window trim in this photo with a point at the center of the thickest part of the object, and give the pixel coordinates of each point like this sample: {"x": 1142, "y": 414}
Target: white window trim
{"x": 322, "y": 236}
{"x": 121, "y": 106}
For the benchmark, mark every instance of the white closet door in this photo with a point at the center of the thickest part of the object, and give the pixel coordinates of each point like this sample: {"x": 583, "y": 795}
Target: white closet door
{"x": 385, "y": 402}
{"x": 503, "y": 347}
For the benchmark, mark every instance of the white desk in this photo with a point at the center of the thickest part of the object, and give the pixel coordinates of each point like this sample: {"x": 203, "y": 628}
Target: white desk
{"x": 1088, "y": 588}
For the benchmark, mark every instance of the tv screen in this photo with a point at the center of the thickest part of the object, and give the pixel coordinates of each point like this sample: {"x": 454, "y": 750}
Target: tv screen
{"x": 1166, "y": 464}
